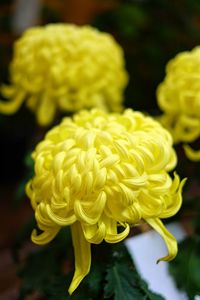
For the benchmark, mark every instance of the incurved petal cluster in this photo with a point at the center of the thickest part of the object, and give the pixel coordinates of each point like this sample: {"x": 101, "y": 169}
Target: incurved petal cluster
{"x": 63, "y": 67}
{"x": 97, "y": 172}
{"x": 179, "y": 99}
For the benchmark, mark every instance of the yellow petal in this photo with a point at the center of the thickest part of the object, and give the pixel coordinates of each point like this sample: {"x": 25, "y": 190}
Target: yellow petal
{"x": 187, "y": 128}
{"x": 94, "y": 233}
{"x": 46, "y": 111}
{"x": 32, "y": 102}
{"x": 82, "y": 251}
{"x": 59, "y": 220}
{"x": 44, "y": 237}
{"x": 10, "y": 107}
{"x": 176, "y": 198}
{"x": 112, "y": 236}
{"x": 192, "y": 154}
{"x": 169, "y": 239}
{"x": 90, "y": 212}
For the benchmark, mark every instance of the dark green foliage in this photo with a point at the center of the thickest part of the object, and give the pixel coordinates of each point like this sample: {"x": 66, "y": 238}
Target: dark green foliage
{"x": 128, "y": 19}
{"x": 123, "y": 282}
{"x": 112, "y": 274}
{"x": 185, "y": 268}
{"x": 147, "y": 294}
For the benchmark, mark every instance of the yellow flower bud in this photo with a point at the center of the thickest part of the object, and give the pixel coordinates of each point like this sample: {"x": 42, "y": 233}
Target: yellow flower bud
{"x": 62, "y": 67}
{"x": 179, "y": 99}
{"x": 97, "y": 172}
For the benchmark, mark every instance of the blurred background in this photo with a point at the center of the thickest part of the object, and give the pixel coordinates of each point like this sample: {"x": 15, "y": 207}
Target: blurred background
{"x": 150, "y": 32}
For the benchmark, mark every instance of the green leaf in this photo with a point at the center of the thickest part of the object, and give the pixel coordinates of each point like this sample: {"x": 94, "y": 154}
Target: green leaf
{"x": 58, "y": 289}
{"x": 113, "y": 277}
{"x": 185, "y": 268}
{"x": 123, "y": 281}
{"x": 149, "y": 294}
{"x": 95, "y": 278}
{"x": 120, "y": 284}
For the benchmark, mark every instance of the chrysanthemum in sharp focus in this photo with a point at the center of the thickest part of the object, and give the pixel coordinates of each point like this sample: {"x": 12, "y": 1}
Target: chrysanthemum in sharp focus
{"x": 179, "y": 98}
{"x": 97, "y": 172}
{"x": 62, "y": 67}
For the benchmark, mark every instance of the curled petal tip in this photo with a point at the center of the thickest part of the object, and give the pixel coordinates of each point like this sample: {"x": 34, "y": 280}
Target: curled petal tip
{"x": 192, "y": 154}
{"x": 169, "y": 239}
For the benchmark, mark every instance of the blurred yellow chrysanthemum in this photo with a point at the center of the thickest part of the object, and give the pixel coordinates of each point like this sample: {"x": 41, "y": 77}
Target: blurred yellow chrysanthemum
{"x": 179, "y": 98}
{"x": 98, "y": 172}
{"x": 65, "y": 67}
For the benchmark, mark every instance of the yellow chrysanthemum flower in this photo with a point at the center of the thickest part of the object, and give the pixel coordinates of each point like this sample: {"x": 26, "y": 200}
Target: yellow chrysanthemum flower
{"x": 98, "y": 172}
{"x": 179, "y": 98}
{"x": 65, "y": 67}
